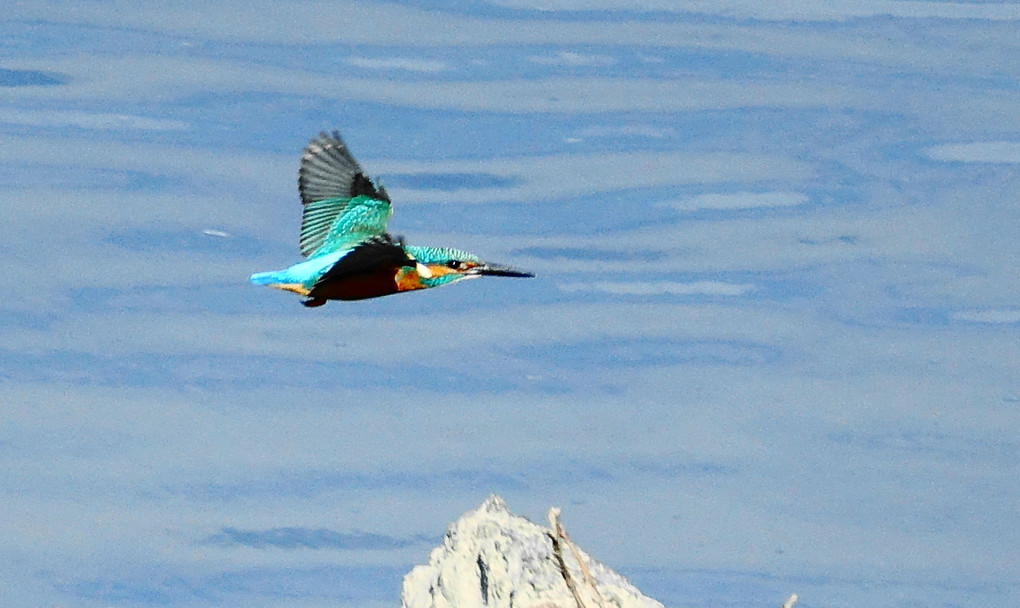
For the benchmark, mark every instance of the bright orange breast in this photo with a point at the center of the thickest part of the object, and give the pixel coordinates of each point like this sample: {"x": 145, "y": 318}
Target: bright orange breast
{"x": 408, "y": 279}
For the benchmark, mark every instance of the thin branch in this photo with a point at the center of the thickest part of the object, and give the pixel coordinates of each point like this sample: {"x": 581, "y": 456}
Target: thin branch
{"x": 559, "y": 537}
{"x": 554, "y": 521}
{"x": 588, "y": 578}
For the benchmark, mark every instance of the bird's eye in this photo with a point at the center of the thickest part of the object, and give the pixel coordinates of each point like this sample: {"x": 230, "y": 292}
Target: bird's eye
{"x": 455, "y": 264}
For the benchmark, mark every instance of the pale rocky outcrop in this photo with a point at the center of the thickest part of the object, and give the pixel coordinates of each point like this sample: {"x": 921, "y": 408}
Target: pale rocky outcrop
{"x": 493, "y": 558}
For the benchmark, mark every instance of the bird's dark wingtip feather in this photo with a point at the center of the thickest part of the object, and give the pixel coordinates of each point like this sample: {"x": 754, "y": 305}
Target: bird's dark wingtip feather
{"x": 362, "y": 185}
{"x": 328, "y": 169}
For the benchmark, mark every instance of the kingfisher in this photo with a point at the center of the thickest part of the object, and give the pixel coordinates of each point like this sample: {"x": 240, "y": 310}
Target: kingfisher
{"x": 350, "y": 254}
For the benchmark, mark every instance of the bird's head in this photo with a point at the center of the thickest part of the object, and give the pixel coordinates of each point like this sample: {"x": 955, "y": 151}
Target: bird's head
{"x": 444, "y": 265}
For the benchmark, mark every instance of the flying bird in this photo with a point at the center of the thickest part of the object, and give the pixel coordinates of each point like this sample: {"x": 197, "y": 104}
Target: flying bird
{"x": 350, "y": 254}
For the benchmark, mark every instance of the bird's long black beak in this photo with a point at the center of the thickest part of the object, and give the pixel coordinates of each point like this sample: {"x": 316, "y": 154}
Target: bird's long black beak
{"x": 495, "y": 270}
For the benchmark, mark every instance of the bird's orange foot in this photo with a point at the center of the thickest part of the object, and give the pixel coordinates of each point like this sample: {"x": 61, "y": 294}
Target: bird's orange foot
{"x": 313, "y": 302}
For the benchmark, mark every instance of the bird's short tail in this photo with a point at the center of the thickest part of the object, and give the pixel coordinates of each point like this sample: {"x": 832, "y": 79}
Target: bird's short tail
{"x": 279, "y": 279}
{"x": 268, "y": 278}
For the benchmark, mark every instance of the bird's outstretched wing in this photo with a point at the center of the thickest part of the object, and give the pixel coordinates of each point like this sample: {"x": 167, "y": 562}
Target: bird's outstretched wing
{"x": 342, "y": 207}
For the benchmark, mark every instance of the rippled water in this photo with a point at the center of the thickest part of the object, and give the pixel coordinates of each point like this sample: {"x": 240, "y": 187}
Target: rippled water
{"x": 772, "y": 346}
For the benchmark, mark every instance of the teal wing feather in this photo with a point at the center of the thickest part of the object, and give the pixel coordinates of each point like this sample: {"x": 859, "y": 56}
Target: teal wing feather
{"x": 342, "y": 207}
{"x": 358, "y": 220}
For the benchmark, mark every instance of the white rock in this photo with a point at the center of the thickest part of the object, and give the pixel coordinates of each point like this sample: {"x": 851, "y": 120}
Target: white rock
{"x": 493, "y": 558}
